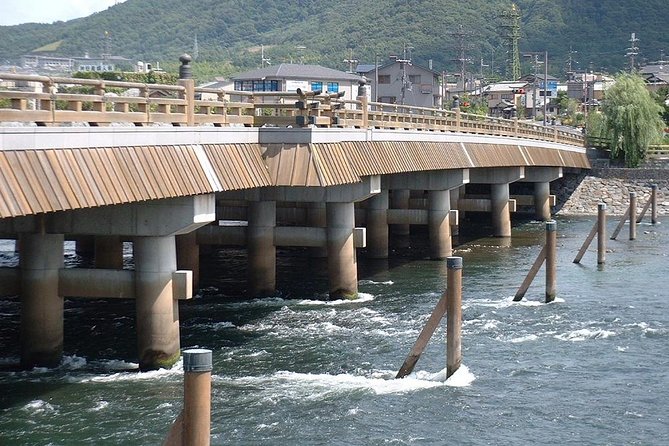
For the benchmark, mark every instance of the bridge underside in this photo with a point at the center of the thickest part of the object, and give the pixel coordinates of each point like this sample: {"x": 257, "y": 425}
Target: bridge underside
{"x": 333, "y": 191}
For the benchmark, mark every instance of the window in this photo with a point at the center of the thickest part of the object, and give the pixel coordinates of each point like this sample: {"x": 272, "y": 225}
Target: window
{"x": 549, "y": 93}
{"x": 414, "y": 78}
{"x": 317, "y": 86}
{"x": 333, "y": 87}
{"x": 261, "y": 85}
{"x": 384, "y": 78}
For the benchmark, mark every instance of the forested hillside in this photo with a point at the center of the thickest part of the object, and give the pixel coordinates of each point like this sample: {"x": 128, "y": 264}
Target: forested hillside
{"x": 230, "y": 32}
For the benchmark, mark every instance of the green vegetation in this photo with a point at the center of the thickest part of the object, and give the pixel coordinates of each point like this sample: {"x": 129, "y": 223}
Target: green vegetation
{"x": 632, "y": 119}
{"x": 230, "y": 32}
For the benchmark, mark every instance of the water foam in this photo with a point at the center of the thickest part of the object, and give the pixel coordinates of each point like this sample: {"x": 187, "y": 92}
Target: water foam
{"x": 38, "y": 407}
{"x": 584, "y": 334}
{"x": 372, "y": 282}
{"x": 362, "y": 297}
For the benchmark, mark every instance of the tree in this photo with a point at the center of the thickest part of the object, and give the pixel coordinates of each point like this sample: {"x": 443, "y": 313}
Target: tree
{"x": 632, "y": 118}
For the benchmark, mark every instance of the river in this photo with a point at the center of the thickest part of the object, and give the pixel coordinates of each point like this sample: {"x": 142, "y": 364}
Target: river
{"x": 590, "y": 368}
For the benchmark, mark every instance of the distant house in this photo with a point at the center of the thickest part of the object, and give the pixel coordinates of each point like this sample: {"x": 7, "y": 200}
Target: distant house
{"x": 290, "y": 77}
{"x": 505, "y": 99}
{"x": 534, "y": 105}
{"x": 403, "y": 83}
{"x": 46, "y": 64}
{"x": 656, "y": 75}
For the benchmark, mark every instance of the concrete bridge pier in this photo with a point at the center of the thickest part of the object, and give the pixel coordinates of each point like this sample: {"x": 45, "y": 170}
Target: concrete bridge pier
{"x": 501, "y": 214}
{"x": 500, "y": 206}
{"x": 157, "y": 311}
{"x": 541, "y": 177}
{"x": 455, "y": 195}
{"x": 399, "y": 199}
{"x": 439, "y": 224}
{"x": 261, "y": 248}
{"x": 108, "y": 252}
{"x": 188, "y": 256}
{"x": 377, "y": 226}
{"x": 316, "y": 218}
{"x": 41, "y": 326}
{"x": 342, "y": 261}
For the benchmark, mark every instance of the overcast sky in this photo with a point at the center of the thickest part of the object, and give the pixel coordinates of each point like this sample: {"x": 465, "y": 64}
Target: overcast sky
{"x": 14, "y": 12}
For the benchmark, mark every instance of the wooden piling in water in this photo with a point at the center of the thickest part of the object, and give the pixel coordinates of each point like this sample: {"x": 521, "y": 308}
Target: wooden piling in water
{"x": 453, "y": 315}
{"x": 551, "y": 260}
{"x": 653, "y": 204}
{"x": 599, "y": 229}
{"x": 601, "y": 233}
{"x": 193, "y": 426}
{"x": 549, "y": 254}
{"x": 632, "y": 215}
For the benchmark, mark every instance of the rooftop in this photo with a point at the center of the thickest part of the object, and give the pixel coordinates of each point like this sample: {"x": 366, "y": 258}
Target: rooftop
{"x": 296, "y": 71}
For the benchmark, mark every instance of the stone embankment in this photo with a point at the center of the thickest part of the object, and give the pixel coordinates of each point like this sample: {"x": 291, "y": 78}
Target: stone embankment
{"x": 580, "y": 194}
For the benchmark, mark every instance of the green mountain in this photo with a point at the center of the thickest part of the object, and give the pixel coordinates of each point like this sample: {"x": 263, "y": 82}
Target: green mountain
{"x": 230, "y": 33}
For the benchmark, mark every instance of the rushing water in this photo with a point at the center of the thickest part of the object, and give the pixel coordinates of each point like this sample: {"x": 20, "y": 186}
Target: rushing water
{"x": 590, "y": 368}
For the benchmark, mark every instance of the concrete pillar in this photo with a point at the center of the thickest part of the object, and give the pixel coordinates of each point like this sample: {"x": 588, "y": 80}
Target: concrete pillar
{"x": 399, "y": 199}
{"x": 261, "y": 249}
{"x": 316, "y": 219}
{"x": 157, "y": 311}
{"x": 188, "y": 256}
{"x": 501, "y": 215}
{"x": 542, "y": 204}
{"x": 439, "y": 224}
{"x": 342, "y": 264}
{"x": 41, "y": 330}
{"x": 85, "y": 246}
{"x": 108, "y": 252}
{"x": 377, "y": 226}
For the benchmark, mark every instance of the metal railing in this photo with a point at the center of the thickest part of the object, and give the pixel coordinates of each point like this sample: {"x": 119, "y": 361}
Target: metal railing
{"x": 53, "y": 101}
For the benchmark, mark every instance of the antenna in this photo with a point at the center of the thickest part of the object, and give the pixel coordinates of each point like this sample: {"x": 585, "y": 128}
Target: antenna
{"x": 512, "y": 37}
{"x": 632, "y": 51}
{"x": 350, "y": 61}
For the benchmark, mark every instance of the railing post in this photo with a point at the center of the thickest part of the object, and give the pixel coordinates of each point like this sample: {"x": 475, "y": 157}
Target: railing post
{"x": 515, "y": 126}
{"x": 186, "y": 81}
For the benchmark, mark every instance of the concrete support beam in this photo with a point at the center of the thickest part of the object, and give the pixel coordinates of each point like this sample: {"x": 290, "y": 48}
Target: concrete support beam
{"x": 482, "y": 205}
{"x": 496, "y": 175}
{"x": 377, "y": 224}
{"x": 316, "y": 218}
{"x": 114, "y": 284}
{"x": 456, "y": 194}
{"x": 151, "y": 219}
{"x": 342, "y": 262}
{"x": 108, "y": 252}
{"x": 261, "y": 249}
{"x": 407, "y": 217}
{"x": 344, "y": 193}
{"x": 541, "y": 174}
{"x": 501, "y": 214}
{"x": 439, "y": 225}
{"x": 222, "y": 235}
{"x": 41, "y": 327}
{"x": 157, "y": 311}
{"x": 427, "y": 180}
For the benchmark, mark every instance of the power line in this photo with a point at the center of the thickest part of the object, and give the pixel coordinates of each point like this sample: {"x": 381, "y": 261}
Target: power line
{"x": 633, "y": 51}
{"x": 512, "y": 37}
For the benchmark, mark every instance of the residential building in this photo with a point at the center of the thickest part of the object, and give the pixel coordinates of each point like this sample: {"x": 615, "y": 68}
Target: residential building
{"x": 540, "y": 91}
{"x": 289, "y": 77}
{"x": 404, "y": 83}
{"x": 505, "y": 99}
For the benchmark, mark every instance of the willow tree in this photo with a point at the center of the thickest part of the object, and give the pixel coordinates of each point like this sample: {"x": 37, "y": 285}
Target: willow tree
{"x": 632, "y": 118}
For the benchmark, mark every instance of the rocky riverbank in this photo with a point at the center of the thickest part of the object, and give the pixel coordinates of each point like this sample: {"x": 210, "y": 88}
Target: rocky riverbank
{"x": 580, "y": 194}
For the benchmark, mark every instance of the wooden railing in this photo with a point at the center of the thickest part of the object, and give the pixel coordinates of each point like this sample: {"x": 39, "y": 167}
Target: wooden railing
{"x": 54, "y": 101}
{"x": 657, "y": 151}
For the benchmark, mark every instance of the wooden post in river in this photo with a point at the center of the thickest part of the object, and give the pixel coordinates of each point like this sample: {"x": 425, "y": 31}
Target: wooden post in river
{"x": 599, "y": 228}
{"x": 453, "y": 343}
{"x": 632, "y": 215}
{"x": 453, "y": 315}
{"x": 549, "y": 254}
{"x": 193, "y": 425}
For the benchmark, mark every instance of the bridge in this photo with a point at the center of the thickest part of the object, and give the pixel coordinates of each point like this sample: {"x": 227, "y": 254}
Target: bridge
{"x": 163, "y": 166}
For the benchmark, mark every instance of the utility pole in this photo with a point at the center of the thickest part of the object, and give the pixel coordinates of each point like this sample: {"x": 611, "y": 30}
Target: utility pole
{"x": 512, "y": 37}
{"x": 461, "y": 36}
{"x": 632, "y": 51}
{"x": 264, "y": 60}
{"x": 350, "y": 61}
{"x": 404, "y": 61}
{"x": 570, "y": 62}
